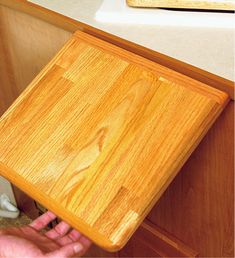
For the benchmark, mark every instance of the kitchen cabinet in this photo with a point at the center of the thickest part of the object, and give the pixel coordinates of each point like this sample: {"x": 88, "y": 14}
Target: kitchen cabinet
{"x": 205, "y": 184}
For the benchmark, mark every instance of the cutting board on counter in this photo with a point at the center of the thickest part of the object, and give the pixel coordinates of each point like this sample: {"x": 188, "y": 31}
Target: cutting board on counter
{"x": 185, "y": 4}
{"x": 100, "y": 133}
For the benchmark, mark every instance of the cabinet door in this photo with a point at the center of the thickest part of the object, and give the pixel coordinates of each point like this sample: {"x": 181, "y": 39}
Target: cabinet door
{"x": 151, "y": 241}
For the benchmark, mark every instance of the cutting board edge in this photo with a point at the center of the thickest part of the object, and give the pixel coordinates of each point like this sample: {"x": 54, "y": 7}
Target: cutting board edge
{"x": 138, "y": 4}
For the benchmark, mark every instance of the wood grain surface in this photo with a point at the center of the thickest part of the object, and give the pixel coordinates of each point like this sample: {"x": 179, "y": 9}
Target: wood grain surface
{"x": 185, "y": 4}
{"x": 22, "y": 57}
{"x": 100, "y": 133}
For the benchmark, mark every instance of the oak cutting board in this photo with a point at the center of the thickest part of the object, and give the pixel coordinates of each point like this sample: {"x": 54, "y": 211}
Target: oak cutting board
{"x": 188, "y": 4}
{"x": 100, "y": 133}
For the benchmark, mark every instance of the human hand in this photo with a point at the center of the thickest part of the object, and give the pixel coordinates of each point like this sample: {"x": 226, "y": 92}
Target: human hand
{"x": 29, "y": 242}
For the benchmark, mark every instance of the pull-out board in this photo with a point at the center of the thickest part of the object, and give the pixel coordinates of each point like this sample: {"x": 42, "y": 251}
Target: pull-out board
{"x": 100, "y": 133}
{"x": 188, "y": 4}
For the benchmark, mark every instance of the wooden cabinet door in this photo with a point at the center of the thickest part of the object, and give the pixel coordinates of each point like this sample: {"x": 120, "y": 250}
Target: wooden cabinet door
{"x": 151, "y": 241}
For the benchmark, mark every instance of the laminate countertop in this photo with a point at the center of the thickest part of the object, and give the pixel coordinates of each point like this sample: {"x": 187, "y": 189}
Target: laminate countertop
{"x": 208, "y": 48}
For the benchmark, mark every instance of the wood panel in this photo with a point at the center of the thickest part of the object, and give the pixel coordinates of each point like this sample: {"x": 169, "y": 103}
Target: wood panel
{"x": 96, "y": 251}
{"x": 25, "y": 49}
{"x": 72, "y": 25}
{"x": 198, "y": 207}
{"x": 100, "y": 133}
{"x": 151, "y": 241}
{"x": 189, "y": 4}
{"x": 8, "y": 91}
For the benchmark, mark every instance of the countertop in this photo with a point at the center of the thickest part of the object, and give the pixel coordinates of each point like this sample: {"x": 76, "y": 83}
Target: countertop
{"x": 209, "y": 48}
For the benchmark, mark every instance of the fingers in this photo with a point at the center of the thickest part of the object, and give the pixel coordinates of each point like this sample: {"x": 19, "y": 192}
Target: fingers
{"x": 72, "y": 249}
{"x": 42, "y": 221}
{"x": 73, "y": 236}
{"x": 63, "y": 238}
{"x": 86, "y": 243}
{"x": 73, "y": 243}
{"x": 58, "y": 231}
{"x": 68, "y": 251}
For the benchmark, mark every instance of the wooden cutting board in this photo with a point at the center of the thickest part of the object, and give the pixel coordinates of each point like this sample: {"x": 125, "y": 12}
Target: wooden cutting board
{"x": 100, "y": 134}
{"x": 188, "y": 4}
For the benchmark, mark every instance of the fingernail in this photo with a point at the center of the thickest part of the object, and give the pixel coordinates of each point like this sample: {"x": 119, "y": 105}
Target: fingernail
{"x": 78, "y": 248}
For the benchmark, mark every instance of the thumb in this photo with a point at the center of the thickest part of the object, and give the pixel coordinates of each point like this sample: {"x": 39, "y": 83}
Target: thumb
{"x": 68, "y": 251}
